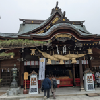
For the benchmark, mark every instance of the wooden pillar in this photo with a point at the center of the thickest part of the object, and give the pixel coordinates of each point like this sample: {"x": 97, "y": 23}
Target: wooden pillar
{"x": 21, "y": 73}
{"x": 22, "y": 69}
{"x": 74, "y": 75}
{"x": 89, "y": 62}
{"x": 81, "y": 74}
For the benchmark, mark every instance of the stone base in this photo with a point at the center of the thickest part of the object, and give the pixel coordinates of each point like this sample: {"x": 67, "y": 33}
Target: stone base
{"x": 25, "y": 91}
{"x": 82, "y": 89}
{"x": 13, "y": 91}
{"x": 14, "y": 84}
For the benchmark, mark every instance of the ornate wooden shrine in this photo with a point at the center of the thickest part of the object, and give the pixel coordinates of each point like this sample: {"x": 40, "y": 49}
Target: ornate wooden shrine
{"x": 61, "y": 41}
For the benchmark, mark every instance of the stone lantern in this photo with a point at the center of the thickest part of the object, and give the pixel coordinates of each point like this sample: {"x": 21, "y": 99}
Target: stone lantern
{"x": 14, "y": 83}
{"x": 14, "y": 89}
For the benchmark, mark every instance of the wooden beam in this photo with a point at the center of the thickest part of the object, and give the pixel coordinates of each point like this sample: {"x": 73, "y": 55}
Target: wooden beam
{"x": 24, "y": 46}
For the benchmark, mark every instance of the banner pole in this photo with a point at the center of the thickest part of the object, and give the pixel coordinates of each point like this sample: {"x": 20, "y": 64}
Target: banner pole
{"x": 25, "y": 84}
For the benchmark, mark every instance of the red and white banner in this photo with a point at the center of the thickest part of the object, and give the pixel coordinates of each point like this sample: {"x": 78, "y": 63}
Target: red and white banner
{"x": 26, "y": 63}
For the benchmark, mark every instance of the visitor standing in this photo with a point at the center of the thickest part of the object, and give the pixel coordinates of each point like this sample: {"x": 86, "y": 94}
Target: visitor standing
{"x": 46, "y": 85}
{"x": 97, "y": 75}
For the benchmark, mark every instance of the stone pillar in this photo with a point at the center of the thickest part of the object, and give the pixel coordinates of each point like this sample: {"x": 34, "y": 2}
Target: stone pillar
{"x": 74, "y": 75}
{"x": 81, "y": 74}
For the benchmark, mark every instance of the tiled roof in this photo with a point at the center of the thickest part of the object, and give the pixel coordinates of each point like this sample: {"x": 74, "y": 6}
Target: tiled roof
{"x": 26, "y": 28}
{"x": 29, "y": 27}
{"x": 13, "y": 35}
{"x": 81, "y": 30}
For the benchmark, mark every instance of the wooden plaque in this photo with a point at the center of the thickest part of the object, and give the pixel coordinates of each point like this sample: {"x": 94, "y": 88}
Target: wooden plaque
{"x": 25, "y": 75}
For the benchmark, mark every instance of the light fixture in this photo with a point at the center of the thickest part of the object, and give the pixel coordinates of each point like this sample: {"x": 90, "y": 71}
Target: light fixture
{"x": 89, "y": 51}
{"x": 11, "y": 56}
{"x": 79, "y": 48}
{"x": 32, "y": 51}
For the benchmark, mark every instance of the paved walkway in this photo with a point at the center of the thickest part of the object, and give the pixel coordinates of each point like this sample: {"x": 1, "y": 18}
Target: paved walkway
{"x": 82, "y": 97}
{"x": 63, "y": 93}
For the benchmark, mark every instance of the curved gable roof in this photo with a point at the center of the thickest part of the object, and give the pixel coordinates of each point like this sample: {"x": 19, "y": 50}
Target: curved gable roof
{"x": 76, "y": 28}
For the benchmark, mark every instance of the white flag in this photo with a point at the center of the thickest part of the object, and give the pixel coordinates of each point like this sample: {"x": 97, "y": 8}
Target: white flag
{"x": 42, "y": 69}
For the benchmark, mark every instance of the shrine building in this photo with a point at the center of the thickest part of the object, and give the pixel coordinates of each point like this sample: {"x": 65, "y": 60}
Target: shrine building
{"x": 68, "y": 47}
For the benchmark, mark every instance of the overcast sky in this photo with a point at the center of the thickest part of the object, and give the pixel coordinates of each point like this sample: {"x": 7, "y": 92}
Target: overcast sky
{"x": 76, "y": 10}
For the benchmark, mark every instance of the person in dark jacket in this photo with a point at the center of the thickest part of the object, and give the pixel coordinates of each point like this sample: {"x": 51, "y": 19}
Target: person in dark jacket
{"x": 46, "y": 85}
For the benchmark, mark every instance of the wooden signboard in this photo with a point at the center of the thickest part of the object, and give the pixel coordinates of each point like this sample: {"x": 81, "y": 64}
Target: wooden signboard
{"x": 25, "y": 75}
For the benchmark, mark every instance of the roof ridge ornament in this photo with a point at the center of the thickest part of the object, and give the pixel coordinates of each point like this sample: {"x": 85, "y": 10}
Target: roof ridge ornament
{"x": 64, "y": 15}
{"x": 56, "y": 9}
{"x": 56, "y": 4}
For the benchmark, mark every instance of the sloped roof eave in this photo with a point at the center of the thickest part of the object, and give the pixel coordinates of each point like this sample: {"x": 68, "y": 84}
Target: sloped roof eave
{"x": 64, "y": 25}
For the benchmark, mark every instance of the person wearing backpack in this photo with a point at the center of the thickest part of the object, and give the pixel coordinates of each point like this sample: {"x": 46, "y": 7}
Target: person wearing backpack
{"x": 46, "y": 85}
{"x": 53, "y": 86}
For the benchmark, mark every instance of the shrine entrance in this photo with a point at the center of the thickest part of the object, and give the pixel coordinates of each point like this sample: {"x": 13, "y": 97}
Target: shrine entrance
{"x": 64, "y": 73}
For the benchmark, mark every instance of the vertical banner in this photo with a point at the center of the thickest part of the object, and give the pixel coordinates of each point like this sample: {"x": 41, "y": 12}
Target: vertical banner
{"x": 42, "y": 69}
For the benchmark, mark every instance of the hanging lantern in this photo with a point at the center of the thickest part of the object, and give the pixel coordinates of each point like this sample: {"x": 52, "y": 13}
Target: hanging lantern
{"x": 49, "y": 61}
{"x": 89, "y": 51}
{"x": 61, "y": 62}
{"x": 74, "y": 60}
{"x": 12, "y": 56}
{"x": 32, "y": 51}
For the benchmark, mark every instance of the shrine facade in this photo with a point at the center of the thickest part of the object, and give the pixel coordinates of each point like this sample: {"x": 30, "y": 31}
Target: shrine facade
{"x": 68, "y": 47}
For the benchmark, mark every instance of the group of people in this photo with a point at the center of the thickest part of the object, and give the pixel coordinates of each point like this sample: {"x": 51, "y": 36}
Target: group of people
{"x": 48, "y": 84}
{"x": 97, "y": 76}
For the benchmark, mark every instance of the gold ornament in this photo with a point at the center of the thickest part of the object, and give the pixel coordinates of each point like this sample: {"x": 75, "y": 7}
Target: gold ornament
{"x": 40, "y": 32}
{"x": 55, "y": 20}
{"x": 32, "y": 51}
{"x": 49, "y": 61}
{"x": 42, "y": 60}
{"x": 74, "y": 60}
{"x": 61, "y": 62}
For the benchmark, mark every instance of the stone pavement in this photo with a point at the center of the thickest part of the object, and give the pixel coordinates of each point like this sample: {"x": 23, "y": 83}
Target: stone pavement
{"x": 63, "y": 93}
{"x": 82, "y": 97}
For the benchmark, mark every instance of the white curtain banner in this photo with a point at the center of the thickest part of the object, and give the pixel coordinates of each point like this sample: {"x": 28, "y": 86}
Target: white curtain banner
{"x": 42, "y": 69}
